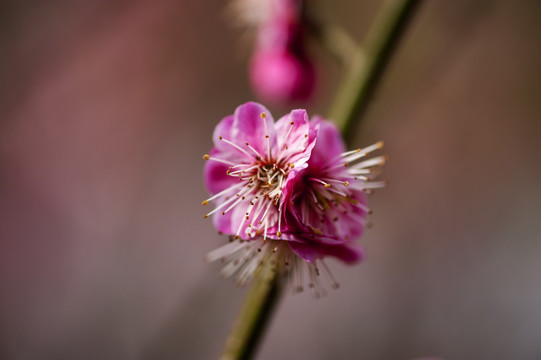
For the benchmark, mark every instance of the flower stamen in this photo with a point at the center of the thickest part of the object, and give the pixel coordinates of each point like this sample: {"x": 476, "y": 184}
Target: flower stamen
{"x": 259, "y": 156}
{"x": 327, "y": 185}
{"x": 235, "y": 146}
{"x": 208, "y": 157}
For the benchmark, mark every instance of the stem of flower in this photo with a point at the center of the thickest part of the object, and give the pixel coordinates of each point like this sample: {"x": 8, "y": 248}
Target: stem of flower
{"x": 256, "y": 311}
{"x": 367, "y": 64}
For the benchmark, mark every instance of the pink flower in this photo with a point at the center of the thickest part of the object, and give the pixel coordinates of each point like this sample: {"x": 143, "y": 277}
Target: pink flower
{"x": 252, "y": 161}
{"x": 325, "y": 208}
{"x": 281, "y": 76}
{"x": 280, "y": 70}
{"x": 286, "y": 192}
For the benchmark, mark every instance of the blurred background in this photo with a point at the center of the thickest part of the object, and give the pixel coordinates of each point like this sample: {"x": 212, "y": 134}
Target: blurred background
{"x": 106, "y": 108}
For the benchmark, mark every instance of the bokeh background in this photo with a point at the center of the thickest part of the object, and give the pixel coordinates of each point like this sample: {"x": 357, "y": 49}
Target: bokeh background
{"x": 106, "y": 108}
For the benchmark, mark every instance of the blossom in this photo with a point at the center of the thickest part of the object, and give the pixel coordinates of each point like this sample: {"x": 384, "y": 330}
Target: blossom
{"x": 325, "y": 209}
{"x": 280, "y": 70}
{"x": 287, "y": 192}
{"x": 252, "y": 161}
{"x": 281, "y": 76}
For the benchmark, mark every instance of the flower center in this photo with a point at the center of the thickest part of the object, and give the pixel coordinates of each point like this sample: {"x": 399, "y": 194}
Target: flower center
{"x": 259, "y": 197}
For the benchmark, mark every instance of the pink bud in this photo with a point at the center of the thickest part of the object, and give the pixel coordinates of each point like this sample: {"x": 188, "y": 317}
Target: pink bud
{"x": 280, "y": 76}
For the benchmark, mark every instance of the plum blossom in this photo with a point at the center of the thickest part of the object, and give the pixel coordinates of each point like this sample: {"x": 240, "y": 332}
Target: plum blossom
{"x": 252, "y": 160}
{"x": 287, "y": 192}
{"x": 325, "y": 208}
{"x": 281, "y": 76}
{"x": 280, "y": 69}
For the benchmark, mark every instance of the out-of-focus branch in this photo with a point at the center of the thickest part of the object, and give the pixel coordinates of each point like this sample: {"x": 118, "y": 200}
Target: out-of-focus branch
{"x": 367, "y": 64}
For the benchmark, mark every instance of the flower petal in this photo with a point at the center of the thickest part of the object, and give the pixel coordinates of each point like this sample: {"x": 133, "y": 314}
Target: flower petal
{"x": 223, "y": 129}
{"x": 296, "y": 137}
{"x": 329, "y": 143}
{"x": 215, "y": 175}
{"x": 222, "y": 222}
{"x": 249, "y": 126}
{"x": 348, "y": 253}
